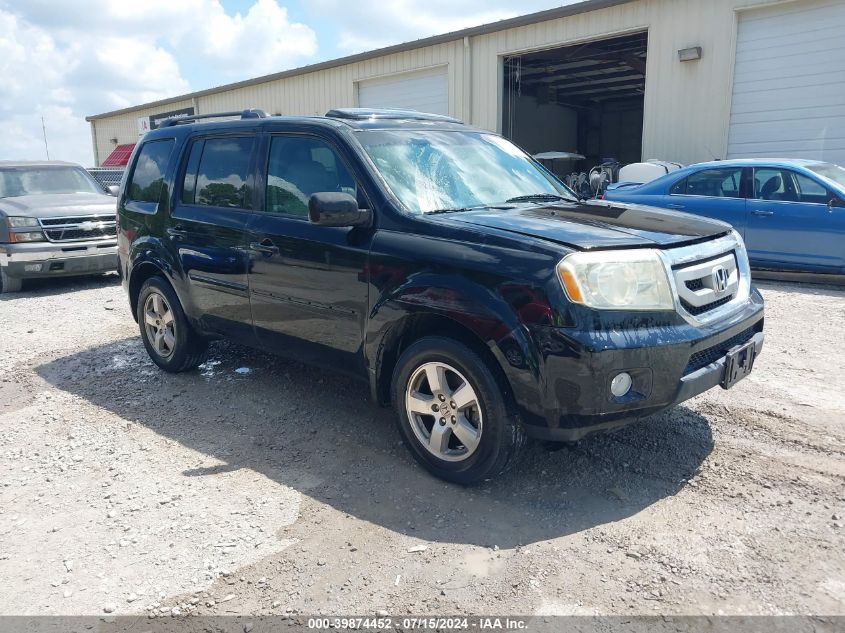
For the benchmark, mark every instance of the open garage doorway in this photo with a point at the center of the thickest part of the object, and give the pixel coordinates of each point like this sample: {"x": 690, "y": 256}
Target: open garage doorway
{"x": 586, "y": 99}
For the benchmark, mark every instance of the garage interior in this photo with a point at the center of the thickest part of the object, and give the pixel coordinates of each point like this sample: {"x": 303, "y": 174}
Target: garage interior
{"x": 586, "y": 99}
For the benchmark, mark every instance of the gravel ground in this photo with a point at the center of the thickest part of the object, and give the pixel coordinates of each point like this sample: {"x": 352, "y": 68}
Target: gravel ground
{"x": 282, "y": 490}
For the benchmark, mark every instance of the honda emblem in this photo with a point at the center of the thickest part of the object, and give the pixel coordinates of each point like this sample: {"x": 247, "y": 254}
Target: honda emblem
{"x": 720, "y": 279}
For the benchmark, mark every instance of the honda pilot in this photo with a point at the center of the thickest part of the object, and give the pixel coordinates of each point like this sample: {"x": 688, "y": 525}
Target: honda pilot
{"x": 461, "y": 281}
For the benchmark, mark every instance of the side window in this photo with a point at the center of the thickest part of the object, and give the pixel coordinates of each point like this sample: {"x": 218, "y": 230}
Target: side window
{"x": 222, "y": 173}
{"x": 147, "y": 177}
{"x": 299, "y": 167}
{"x": 809, "y": 191}
{"x": 769, "y": 184}
{"x": 717, "y": 183}
{"x": 679, "y": 188}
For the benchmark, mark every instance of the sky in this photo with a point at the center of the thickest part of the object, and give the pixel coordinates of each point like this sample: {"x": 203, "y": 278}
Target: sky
{"x": 65, "y": 59}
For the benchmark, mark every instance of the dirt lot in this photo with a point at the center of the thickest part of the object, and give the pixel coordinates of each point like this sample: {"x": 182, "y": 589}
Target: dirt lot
{"x": 280, "y": 489}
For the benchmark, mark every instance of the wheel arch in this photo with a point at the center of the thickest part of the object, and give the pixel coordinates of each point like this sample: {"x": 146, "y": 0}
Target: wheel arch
{"x": 416, "y": 326}
{"x": 141, "y": 272}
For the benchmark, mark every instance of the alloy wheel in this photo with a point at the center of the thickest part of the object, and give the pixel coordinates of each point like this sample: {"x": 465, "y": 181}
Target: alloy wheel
{"x": 160, "y": 325}
{"x": 444, "y": 411}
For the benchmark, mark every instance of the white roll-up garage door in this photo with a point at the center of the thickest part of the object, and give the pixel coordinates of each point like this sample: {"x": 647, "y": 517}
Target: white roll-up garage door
{"x": 422, "y": 90}
{"x": 789, "y": 82}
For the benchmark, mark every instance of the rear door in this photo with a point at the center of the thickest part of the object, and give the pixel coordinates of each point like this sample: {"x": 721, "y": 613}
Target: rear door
{"x": 307, "y": 282}
{"x": 791, "y": 225}
{"x": 714, "y": 193}
{"x": 208, "y": 230}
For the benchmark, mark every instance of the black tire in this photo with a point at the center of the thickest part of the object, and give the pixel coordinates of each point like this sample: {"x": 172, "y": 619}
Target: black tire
{"x": 190, "y": 349}
{"x": 9, "y": 284}
{"x": 502, "y": 436}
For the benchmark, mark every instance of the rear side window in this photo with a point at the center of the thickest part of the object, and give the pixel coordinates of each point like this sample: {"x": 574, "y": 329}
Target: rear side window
{"x": 716, "y": 183}
{"x": 147, "y": 178}
{"x": 217, "y": 173}
{"x": 769, "y": 184}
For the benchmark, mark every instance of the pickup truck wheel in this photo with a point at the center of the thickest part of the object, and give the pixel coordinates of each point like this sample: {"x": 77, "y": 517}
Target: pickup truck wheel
{"x": 7, "y": 283}
{"x": 170, "y": 340}
{"x": 452, "y": 413}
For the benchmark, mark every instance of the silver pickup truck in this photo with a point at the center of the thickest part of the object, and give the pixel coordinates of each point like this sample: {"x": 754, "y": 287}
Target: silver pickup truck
{"x": 55, "y": 220}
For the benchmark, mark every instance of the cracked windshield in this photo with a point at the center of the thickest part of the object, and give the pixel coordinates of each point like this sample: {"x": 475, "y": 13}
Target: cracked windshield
{"x": 453, "y": 171}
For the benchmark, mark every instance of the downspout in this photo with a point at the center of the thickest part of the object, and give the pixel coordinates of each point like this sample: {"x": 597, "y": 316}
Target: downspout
{"x": 94, "y": 141}
{"x": 467, "y": 87}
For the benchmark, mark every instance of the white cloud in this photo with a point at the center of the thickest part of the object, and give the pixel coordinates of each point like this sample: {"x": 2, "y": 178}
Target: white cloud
{"x": 66, "y": 60}
{"x": 263, "y": 40}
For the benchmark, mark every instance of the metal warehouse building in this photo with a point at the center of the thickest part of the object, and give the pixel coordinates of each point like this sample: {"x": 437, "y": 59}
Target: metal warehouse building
{"x": 680, "y": 80}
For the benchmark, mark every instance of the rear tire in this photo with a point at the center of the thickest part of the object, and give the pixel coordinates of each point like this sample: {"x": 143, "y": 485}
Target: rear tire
{"x": 9, "y": 284}
{"x": 475, "y": 432}
{"x": 169, "y": 339}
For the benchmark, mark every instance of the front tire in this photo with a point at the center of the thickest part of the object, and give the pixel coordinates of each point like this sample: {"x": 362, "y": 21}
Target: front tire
{"x": 169, "y": 339}
{"x": 452, "y": 413}
{"x": 9, "y": 284}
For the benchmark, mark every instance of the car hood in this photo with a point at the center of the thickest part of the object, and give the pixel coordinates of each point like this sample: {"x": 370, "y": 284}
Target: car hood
{"x": 595, "y": 224}
{"x": 58, "y": 205}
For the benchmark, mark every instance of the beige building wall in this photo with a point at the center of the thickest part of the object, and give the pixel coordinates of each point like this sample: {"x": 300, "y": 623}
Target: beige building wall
{"x": 687, "y": 104}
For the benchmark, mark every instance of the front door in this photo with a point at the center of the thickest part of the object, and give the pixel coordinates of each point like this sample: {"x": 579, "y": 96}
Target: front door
{"x": 791, "y": 226}
{"x": 307, "y": 283}
{"x": 208, "y": 231}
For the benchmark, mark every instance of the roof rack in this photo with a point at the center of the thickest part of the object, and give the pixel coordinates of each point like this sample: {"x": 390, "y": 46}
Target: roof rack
{"x": 253, "y": 113}
{"x": 361, "y": 114}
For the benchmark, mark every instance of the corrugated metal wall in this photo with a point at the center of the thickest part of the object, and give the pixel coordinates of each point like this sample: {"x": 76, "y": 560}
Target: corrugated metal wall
{"x": 687, "y": 105}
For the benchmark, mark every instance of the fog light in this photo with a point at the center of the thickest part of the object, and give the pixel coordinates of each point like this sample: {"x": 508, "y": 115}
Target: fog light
{"x": 621, "y": 384}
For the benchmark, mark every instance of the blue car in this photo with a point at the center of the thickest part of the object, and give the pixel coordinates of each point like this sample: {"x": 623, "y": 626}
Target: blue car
{"x": 791, "y": 213}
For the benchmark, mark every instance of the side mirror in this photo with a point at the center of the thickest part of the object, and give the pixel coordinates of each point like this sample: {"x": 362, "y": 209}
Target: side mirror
{"x": 114, "y": 189}
{"x": 331, "y": 208}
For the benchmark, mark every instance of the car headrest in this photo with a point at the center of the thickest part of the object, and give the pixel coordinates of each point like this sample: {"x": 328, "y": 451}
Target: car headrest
{"x": 771, "y": 185}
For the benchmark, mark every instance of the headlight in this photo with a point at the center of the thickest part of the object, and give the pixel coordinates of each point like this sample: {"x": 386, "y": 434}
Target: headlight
{"x": 35, "y": 236}
{"x": 20, "y": 223}
{"x": 617, "y": 280}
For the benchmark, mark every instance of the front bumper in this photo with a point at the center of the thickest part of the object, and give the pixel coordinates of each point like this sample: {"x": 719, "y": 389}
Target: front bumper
{"x": 49, "y": 259}
{"x": 668, "y": 364}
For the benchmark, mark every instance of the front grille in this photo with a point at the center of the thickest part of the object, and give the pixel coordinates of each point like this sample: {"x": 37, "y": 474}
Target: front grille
{"x": 714, "y": 353}
{"x": 708, "y": 283}
{"x": 71, "y": 229}
{"x": 696, "y": 310}
{"x": 695, "y": 284}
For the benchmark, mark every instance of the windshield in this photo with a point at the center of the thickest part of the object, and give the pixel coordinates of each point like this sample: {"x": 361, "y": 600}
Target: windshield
{"x": 830, "y": 171}
{"x": 449, "y": 171}
{"x": 25, "y": 181}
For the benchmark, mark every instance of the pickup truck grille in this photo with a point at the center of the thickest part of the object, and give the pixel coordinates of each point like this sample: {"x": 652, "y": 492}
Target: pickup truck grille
{"x": 73, "y": 229}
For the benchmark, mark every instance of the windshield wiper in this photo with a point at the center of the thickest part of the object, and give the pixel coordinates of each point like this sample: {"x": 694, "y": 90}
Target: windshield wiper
{"x": 540, "y": 197}
{"x": 462, "y": 209}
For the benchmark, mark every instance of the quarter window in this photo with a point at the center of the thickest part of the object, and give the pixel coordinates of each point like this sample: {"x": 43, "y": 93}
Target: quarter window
{"x": 148, "y": 174}
{"x": 217, "y": 174}
{"x": 679, "y": 188}
{"x": 299, "y": 167}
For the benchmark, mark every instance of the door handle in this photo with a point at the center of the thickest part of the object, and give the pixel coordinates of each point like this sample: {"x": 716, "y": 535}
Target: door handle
{"x": 675, "y": 206}
{"x": 760, "y": 212}
{"x": 265, "y": 247}
{"x": 177, "y": 232}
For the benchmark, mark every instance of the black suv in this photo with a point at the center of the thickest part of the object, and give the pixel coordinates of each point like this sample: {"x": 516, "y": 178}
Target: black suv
{"x": 439, "y": 263}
